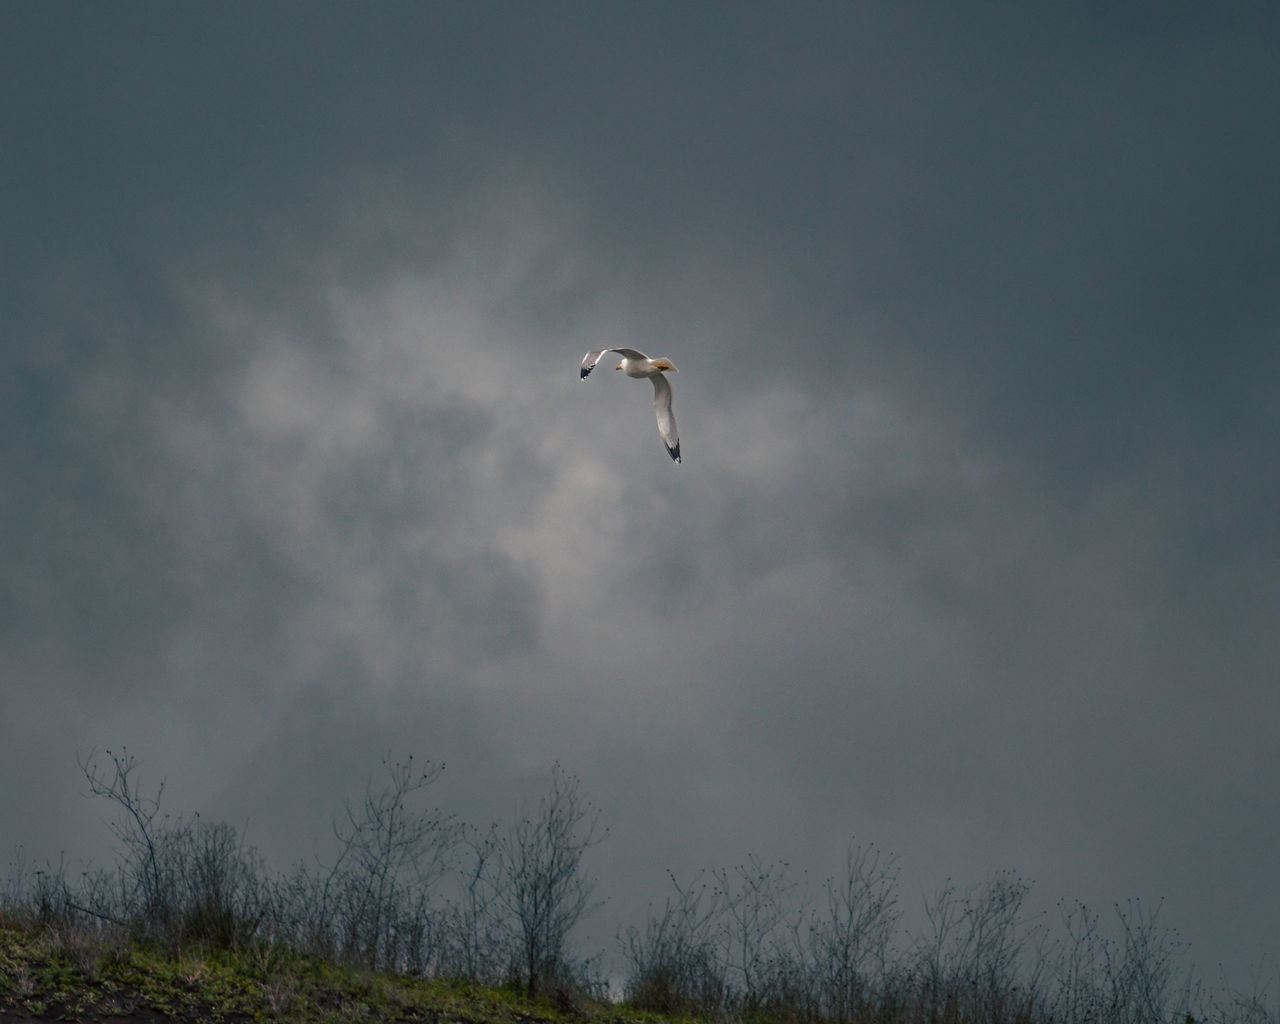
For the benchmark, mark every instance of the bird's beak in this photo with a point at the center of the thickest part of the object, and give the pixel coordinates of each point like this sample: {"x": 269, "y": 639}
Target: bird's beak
{"x": 618, "y": 367}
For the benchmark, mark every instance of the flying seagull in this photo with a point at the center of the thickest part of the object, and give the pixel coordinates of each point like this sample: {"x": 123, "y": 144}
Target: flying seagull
{"x": 637, "y": 364}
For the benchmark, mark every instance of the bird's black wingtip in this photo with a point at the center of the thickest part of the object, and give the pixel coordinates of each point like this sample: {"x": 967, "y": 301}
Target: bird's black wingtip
{"x": 674, "y": 453}
{"x": 585, "y": 371}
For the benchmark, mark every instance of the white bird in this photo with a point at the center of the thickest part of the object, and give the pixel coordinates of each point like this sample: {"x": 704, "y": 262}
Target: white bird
{"x": 637, "y": 364}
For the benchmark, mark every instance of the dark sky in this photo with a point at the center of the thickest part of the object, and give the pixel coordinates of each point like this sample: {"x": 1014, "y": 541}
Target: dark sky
{"x": 974, "y": 553}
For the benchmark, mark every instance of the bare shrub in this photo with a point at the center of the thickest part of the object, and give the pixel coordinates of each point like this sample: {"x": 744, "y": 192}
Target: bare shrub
{"x": 737, "y": 944}
{"x": 390, "y": 859}
{"x": 754, "y": 926}
{"x": 301, "y": 914}
{"x": 374, "y": 905}
{"x": 970, "y": 964}
{"x": 179, "y": 880}
{"x": 1139, "y": 968}
{"x": 674, "y": 965}
{"x": 851, "y": 937}
{"x": 540, "y": 882}
{"x": 1078, "y": 992}
{"x": 221, "y": 900}
{"x": 1126, "y": 977}
{"x": 1257, "y": 1005}
{"x": 475, "y": 946}
{"x": 146, "y": 897}
{"x": 13, "y": 894}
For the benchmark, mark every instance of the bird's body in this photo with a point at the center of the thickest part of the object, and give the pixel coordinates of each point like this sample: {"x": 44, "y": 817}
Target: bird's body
{"x": 637, "y": 364}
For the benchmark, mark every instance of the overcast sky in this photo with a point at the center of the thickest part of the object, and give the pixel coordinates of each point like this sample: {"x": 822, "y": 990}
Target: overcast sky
{"x": 974, "y": 553}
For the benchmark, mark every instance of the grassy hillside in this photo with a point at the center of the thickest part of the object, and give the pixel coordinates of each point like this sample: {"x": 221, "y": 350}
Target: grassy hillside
{"x": 44, "y": 978}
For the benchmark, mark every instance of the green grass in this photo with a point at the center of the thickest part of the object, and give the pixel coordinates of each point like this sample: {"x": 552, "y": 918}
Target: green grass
{"x": 57, "y": 979}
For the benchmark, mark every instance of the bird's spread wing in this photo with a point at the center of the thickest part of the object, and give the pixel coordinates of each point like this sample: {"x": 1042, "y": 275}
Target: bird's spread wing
{"x": 666, "y": 418}
{"x": 591, "y": 358}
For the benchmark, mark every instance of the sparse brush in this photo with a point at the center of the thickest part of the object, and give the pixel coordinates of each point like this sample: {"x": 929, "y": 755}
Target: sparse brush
{"x": 188, "y": 921}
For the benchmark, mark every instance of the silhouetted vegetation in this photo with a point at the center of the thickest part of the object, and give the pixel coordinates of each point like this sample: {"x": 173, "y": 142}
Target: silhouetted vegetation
{"x": 417, "y": 894}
